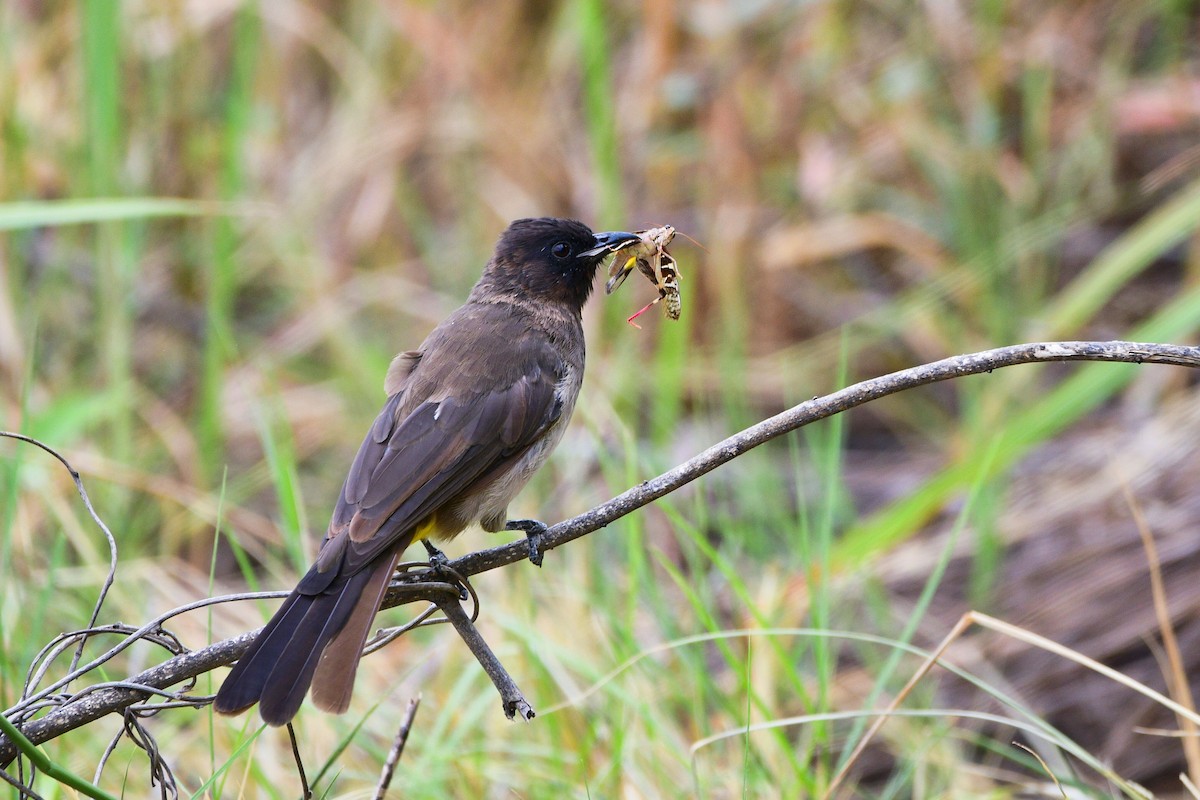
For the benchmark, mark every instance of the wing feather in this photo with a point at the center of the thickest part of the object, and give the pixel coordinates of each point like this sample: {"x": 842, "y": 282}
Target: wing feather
{"x": 436, "y": 452}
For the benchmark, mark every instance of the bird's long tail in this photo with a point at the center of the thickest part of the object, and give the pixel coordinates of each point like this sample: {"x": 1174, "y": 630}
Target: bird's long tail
{"x": 313, "y": 635}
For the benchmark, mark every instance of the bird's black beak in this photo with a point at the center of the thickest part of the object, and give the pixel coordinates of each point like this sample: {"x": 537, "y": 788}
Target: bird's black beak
{"x": 610, "y": 242}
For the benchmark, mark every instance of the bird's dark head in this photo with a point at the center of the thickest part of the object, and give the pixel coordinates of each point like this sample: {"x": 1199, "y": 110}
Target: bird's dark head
{"x": 553, "y": 260}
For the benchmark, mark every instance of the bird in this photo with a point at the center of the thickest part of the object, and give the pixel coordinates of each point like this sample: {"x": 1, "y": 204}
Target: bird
{"x": 470, "y": 415}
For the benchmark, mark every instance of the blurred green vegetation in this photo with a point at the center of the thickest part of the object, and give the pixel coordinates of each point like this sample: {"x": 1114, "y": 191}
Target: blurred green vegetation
{"x": 219, "y": 221}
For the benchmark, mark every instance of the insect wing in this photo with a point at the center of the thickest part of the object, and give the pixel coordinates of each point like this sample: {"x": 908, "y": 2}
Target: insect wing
{"x": 619, "y": 270}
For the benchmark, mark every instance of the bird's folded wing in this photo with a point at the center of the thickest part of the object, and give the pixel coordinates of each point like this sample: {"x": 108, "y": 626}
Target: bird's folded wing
{"x": 407, "y": 469}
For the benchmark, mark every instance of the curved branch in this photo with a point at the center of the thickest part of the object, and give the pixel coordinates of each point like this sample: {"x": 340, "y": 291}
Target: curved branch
{"x": 423, "y": 585}
{"x": 820, "y": 408}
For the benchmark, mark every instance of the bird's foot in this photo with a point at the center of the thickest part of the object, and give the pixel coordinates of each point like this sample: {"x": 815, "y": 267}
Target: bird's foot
{"x": 439, "y": 563}
{"x": 533, "y": 534}
{"x": 437, "y": 559}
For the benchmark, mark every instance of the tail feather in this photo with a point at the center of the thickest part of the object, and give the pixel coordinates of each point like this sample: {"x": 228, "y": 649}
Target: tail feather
{"x": 278, "y": 668}
{"x": 333, "y": 681}
{"x": 245, "y": 683}
{"x": 292, "y": 674}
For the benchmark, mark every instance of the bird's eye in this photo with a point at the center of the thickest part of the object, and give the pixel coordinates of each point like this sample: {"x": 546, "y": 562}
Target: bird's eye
{"x": 560, "y": 250}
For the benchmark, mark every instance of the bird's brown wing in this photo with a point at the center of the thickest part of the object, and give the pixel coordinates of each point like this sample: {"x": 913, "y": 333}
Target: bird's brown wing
{"x": 405, "y": 470}
{"x": 438, "y": 452}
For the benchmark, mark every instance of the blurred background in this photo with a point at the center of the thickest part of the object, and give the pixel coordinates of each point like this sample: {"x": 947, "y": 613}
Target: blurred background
{"x": 219, "y": 221}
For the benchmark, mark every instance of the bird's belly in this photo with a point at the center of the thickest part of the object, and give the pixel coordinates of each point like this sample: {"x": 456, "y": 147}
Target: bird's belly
{"x": 488, "y": 504}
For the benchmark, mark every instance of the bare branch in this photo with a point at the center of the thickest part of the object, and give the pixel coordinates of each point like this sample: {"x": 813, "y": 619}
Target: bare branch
{"x": 430, "y": 585}
{"x": 817, "y": 409}
{"x": 514, "y": 701}
{"x": 393, "y": 756}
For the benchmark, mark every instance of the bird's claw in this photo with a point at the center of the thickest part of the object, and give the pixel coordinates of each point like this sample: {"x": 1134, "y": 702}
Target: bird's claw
{"x": 439, "y": 563}
{"x": 533, "y": 534}
{"x": 437, "y": 559}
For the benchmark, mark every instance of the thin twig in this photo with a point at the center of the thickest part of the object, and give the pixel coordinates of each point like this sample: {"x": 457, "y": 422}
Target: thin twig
{"x": 305, "y": 791}
{"x": 386, "y": 636}
{"x": 45, "y": 658}
{"x": 107, "y": 754}
{"x": 160, "y": 770}
{"x": 87, "y": 504}
{"x": 393, "y": 756}
{"x": 67, "y": 717}
{"x": 150, "y": 628}
{"x": 510, "y": 695}
{"x": 20, "y": 787}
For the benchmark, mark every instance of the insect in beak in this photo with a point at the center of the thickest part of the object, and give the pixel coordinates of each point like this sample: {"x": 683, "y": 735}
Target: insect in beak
{"x": 648, "y": 254}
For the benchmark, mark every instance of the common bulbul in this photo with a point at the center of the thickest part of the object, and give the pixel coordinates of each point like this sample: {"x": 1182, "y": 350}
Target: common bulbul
{"x": 469, "y": 417}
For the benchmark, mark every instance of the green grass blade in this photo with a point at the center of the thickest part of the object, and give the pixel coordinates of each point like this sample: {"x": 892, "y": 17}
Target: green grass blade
{"x": 55, "y": 213}
{"x": 46, "y": 765}
{"x": 1090, "y": 386}
{"x": 1157, "y": 232}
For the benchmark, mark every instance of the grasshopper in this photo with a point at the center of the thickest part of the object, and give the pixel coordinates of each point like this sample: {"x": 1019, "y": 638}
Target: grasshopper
{"x": 651, "y": 258}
